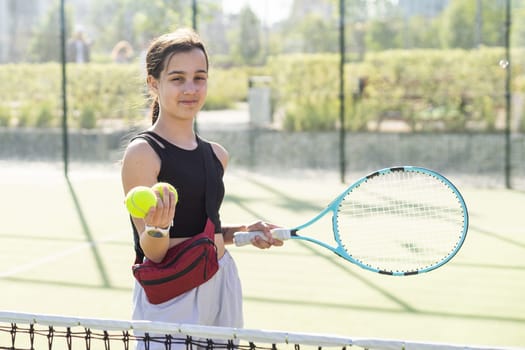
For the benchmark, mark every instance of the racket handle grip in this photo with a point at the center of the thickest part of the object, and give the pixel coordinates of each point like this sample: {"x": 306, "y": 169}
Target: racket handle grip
{"x": 244, "y": 238}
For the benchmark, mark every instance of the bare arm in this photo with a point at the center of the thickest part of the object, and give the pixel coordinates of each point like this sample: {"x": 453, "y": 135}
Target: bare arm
{"x": 229, "y": 231}
{"x": 141, "y": 166}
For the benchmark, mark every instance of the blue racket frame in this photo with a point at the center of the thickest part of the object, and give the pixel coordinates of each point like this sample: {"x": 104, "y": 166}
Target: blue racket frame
{"x": 339, "y": 250}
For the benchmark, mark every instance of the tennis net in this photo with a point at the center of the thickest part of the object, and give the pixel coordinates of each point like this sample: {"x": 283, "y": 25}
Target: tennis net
{"x": 38, "y": 331}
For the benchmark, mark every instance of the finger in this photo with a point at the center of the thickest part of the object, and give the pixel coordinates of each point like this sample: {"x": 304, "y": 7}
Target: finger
{"x": 167, "y": 196}
{"x": 171, "y": 197}
{"x": 163, "y": 198}
{"x": 277, "y": 243}
{"x": 150, "y": 216}
{"x": 158, "y": 215}
{"x": 262, "y": 243}
{"x": 268, "y": 234}
{"x": 160, "y": 208}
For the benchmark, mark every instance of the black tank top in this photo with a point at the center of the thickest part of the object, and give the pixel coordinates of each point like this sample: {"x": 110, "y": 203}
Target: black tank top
{"x": 198, "y": 177}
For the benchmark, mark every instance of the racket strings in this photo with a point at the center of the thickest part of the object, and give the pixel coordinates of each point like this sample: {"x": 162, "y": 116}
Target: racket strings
{"x": 400, "y": 221}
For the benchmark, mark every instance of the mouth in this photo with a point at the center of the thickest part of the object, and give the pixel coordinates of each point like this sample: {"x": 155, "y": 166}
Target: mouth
{"x": 189, "y": 103}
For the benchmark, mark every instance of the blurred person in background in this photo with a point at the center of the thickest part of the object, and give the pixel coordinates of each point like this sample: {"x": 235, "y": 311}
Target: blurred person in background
{"x": 122, "y": 52}
{"x": 78, "y": 48}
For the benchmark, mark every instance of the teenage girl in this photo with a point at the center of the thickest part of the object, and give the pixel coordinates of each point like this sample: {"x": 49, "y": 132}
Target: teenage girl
{"x": 170, "y": 151}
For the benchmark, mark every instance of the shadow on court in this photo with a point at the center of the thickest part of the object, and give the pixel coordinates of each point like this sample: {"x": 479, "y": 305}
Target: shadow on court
{"x": 89, "y": 237}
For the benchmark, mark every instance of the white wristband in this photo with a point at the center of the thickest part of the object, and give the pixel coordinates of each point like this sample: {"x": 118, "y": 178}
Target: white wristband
{"x": 157, "y": 232}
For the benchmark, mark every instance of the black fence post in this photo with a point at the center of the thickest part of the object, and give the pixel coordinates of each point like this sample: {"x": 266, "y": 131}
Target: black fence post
{"x": 342, "y": 156}
{"x": 65, "y": 143}
{"x": 508, "y": 94}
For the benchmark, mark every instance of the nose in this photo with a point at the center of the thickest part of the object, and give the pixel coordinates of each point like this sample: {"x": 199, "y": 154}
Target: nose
{"x": 190, "y": 88}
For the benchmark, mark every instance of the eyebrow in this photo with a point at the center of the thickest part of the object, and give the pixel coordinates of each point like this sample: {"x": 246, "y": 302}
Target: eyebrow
{"x": 183, "y": 72}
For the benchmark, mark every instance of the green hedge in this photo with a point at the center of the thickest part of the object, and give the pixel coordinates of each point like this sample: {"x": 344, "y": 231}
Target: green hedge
{"x": 428, "y": 90}
{"x": 98, "y": 94}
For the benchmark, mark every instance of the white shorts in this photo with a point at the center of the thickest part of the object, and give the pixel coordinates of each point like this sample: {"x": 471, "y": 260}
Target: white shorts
{"x": 218, "y": 302}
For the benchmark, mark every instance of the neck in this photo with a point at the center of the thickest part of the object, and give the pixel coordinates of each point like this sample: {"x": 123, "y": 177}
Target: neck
{"x": 178, "y": 132}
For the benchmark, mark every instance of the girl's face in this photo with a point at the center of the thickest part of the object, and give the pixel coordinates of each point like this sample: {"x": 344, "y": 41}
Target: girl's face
{"x": 183, "y": 84}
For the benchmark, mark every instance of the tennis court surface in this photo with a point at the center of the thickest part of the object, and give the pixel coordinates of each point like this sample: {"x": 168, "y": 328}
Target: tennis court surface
{"x": 66, "y": 249}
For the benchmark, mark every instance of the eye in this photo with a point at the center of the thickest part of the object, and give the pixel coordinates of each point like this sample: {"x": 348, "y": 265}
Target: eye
{"x": 178, "y": 80}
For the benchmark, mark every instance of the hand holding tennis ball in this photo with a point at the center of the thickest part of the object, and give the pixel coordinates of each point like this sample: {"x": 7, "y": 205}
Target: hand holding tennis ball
{"x": 159, "y": 187}
{"x": 139, "y": 201}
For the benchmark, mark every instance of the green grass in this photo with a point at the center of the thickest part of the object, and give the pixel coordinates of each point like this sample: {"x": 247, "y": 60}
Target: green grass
{"x": 66, "y": 248}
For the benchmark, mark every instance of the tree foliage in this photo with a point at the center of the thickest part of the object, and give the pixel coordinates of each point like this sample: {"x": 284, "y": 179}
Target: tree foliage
{"x": 136, "y": 21}
{"x": 312, "y": 27}
{"x": 45, "y": 44}
{"x": 248, "y": 48}
{"x": 469, "y": 24}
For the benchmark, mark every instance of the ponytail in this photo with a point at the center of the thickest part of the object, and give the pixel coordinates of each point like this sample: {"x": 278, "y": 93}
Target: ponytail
{"x": 155, "y": 110}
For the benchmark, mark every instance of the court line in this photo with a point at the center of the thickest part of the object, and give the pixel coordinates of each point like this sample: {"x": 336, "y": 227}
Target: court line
{"x": 54, "y": 257}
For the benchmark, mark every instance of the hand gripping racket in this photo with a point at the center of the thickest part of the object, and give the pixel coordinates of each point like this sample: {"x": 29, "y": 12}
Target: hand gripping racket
{"x": 396, "y": 221}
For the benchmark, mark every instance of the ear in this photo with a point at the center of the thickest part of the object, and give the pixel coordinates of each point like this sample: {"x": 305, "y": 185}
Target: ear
{"x": 152, "y": 83}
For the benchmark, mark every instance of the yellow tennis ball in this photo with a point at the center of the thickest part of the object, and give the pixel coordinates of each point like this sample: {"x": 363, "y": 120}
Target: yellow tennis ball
{"x": 159, "y": 187}
{"x": 139, "y": 201}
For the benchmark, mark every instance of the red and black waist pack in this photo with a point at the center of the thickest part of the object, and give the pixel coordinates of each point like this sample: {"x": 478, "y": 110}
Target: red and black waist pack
{"x": 185, "y": 266}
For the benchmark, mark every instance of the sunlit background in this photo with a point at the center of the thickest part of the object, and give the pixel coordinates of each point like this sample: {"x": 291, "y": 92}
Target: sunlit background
{"x": 362, "y": 75}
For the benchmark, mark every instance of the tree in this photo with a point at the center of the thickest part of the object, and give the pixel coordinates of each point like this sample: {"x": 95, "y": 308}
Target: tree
{"x": 319, "y": 34}
{"x": 45, "y": 45}
{"x": 518, "y": 27}
{"x": 421, "y": 33}
{"x": 248, "y": 48}
{"x": 136, "y": 20}
{"x": 465, "y": 21}
{"x": 383, "y": 35}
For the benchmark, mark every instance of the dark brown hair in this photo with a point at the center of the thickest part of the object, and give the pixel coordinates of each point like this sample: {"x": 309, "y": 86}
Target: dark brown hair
{"x": 162, "y": 49}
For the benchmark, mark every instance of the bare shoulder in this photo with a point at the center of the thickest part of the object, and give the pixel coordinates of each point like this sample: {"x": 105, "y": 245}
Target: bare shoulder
{"x": 138, "y": 150}
{"x": 140, "y": 165}
{"x": 221, "y": 153}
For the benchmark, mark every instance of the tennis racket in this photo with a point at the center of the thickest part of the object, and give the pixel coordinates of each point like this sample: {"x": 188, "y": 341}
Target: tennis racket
{"x": 397, "y": 221}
